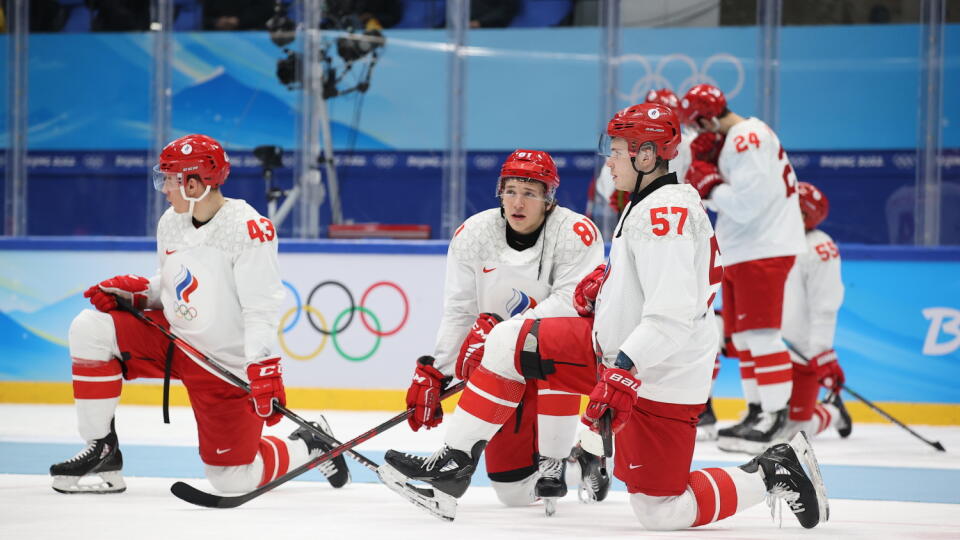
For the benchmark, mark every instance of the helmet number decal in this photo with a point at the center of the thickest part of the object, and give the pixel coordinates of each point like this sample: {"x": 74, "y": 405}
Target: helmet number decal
{"x": 586, "y": 230}
{"x": 266, "y": 234}
{"x": 660, "y": 224}
{"x": 742, "y": 144}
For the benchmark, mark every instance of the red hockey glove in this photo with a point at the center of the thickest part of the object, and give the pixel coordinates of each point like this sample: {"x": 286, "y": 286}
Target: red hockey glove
{"x": 706, "y": 147}
{"x": 619, "y": 200}
{"x": 130, "y": 287}
{"x": 471, "y": 352}
{"x": 424, "y": 395}
{"x": 266, "y": 385}
{"x": 703, "y": 177}
{"x": 829, "y": 372}
{"x": 616, "y": 390}
{"x": 585, "y": 294}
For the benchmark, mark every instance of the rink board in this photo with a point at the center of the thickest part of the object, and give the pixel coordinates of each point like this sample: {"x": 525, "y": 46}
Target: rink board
{"x": 358, "y": 313}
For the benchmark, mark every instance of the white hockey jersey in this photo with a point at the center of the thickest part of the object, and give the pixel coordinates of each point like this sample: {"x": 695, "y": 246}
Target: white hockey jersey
{"x": 486, "y": 275}
{"x": 656, "y": 302}
{"x": 812, "y": 296}
{"x": 219, "y": 285}
{"x": 758, "y": 210}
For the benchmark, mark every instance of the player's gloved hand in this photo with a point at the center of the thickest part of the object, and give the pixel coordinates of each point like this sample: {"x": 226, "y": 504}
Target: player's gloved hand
{"x": 424, "y": 395}
{"x": 619, "y": 200}
{"x": 703, "y": 177}
{"x": 829, "y": 372}
{"x": 585, "y": 294}
{"x": 617, "y": 391}
{"x": 471, "y": 352}
{"x": 266, "y": 385}
{"x": 130, "y": 287}
{"x": 706, "y": 146}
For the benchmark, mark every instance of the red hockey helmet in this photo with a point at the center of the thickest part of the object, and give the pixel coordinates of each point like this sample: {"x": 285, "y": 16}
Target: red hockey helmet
{"x": 813, "y": 205}
{"x": 703, "y": 101}
{"x": 646, "y": 122}
{"x": 666, "y": 97}
{"x": 195, "y": 155}
{"x": 533, "y": 165}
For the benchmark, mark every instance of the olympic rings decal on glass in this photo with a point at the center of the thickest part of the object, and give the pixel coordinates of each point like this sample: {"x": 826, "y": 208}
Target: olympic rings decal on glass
{"x": 341, "y": 322}
{"x": 655, "y": 77}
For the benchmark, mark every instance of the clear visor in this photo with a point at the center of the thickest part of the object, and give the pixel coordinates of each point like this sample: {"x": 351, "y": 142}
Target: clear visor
{"x": 603, "y": 146}
{"x": 164, "y": 179}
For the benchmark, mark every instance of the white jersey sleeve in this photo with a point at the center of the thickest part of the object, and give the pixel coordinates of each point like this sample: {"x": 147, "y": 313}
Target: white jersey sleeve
{"x": 681, "y": 163}
{"x": 460, "y": 307}
{"x": 259, "y": 291}
{"x": 813, "y": 296}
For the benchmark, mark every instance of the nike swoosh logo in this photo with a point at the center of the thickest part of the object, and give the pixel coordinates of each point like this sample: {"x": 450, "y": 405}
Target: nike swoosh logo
{"x": 488, "y": 270}
{"x": 741, "y": 317}
{"x": 169, "y": 251}
{"x": 632, "y": 466}
{"x": 223, "y": 450}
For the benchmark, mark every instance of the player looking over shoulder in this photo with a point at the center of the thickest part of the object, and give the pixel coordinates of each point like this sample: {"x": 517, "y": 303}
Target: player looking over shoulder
{"x": 218, "y": 288}
{"x": 814, "y": 293}
{"x": 753, "y": 189}
{"x": 643, "y": 348}
{"x": 519, "y": 261}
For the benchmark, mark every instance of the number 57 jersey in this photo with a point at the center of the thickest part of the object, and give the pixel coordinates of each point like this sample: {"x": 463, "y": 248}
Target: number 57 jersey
{"x": 655, "y": 303}
{"x": 220, "y": 283}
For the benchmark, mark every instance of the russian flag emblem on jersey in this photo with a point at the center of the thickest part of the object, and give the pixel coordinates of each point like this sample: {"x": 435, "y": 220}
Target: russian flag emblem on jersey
{"x": 520, "y": 302}
{"x": 186, "y": 284}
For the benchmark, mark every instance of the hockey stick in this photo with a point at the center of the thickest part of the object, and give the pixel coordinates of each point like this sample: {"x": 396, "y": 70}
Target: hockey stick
{"x": 193, "y": 495}
{"x": 868, "y": 403}
{"x": 408, "y": 491}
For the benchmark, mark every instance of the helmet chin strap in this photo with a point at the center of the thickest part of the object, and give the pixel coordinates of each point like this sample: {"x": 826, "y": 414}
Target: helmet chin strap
{"x": 193, "y": 200}
{"x": 640, "y": 174}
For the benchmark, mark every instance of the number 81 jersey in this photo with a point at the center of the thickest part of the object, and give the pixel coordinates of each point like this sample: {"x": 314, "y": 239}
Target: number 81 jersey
{"x": 220, "y": 283}
{"x": 655, "y": 303}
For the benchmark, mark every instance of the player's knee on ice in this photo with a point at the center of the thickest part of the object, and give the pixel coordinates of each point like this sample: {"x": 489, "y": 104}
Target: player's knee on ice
{"x": 92, "y": 336}
{"x": 519, "y": 493}
{"x": 500, "y": 349}
{"x": 235, "y": 479}
{"x": 664, "y": 513}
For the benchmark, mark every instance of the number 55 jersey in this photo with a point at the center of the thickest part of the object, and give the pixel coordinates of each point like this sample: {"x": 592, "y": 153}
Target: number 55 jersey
{"x": 220, "y": 283}
{"x": 655, "y": 303}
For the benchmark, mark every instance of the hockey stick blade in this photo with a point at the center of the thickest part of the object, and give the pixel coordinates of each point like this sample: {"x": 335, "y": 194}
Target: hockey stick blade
{"x": 197, "y": 497}
{"x": 433, "y": 501}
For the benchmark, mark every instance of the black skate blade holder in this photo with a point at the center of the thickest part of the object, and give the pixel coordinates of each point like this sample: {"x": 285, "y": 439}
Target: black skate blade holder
{"x": 606, "y": 433}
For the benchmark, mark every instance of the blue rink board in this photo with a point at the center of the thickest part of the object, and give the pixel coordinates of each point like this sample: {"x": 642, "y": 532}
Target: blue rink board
{"x": 843, "y": 481}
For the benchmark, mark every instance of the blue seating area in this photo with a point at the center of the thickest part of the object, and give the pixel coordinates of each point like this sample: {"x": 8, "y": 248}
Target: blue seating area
{"x": 188, "y": 14}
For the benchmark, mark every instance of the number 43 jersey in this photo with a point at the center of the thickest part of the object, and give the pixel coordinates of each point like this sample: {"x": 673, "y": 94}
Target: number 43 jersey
{"x": 220, "y": 283}
{"x": 655, "y": 303}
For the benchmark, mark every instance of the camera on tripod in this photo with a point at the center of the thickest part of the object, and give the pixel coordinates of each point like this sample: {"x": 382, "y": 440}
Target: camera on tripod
{"x": 355, "y": 42}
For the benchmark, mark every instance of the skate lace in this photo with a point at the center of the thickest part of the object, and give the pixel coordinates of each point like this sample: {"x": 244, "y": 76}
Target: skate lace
{"x": 551, "y": 467}
{"x": 432, "y": 461}
{"x": 328, "y": 468}
{"x": 779, "y": 493}
{"x": 84, "y": 453}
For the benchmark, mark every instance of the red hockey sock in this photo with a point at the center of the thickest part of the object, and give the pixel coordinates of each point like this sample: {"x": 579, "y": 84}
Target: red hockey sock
{"x": 716, "y": 495}
{"x": 96, "y": 379}
{"x": 803, "y": 396}
{"x": 491, "y": 397}
{"x": 276, "y": 458}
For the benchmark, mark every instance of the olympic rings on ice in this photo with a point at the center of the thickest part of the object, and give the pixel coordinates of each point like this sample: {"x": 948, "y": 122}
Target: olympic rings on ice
{"x": 342, "y": 321}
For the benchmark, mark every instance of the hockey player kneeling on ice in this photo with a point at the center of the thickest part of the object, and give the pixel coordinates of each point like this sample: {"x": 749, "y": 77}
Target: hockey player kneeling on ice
{"x": 218, "y": 288}
{"x": 517, "y": 262}
{"x": 651, "y": 339}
